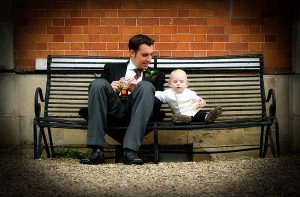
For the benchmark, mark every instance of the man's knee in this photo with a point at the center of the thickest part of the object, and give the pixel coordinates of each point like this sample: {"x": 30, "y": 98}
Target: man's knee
{"x": 146, "y": 86}
{"x": 98, "y": 84}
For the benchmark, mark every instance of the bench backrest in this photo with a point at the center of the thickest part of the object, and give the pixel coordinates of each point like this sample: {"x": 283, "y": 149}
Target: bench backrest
{"x": 234, "y": 83}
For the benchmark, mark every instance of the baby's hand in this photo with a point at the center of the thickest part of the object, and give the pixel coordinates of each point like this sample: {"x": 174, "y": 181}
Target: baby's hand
{"x": 200, "y": 103}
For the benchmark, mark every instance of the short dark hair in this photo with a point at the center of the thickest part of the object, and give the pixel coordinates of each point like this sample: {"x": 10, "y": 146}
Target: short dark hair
{"x": 136, "y": 41}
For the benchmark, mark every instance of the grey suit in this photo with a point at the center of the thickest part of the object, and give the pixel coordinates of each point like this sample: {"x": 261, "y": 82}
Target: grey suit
{"x": 105, "y": 107}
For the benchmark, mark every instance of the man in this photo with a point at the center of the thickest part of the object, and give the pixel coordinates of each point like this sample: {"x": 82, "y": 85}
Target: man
{"x": 106, "y": 107}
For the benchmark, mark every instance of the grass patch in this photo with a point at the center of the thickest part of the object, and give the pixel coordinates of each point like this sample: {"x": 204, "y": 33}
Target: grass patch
{"x": 68, "y": 153}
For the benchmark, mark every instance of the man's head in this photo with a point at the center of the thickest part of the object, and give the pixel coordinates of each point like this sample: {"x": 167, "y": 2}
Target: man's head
{"x": 178, "y": 80}
{"x": 141, "y": 50}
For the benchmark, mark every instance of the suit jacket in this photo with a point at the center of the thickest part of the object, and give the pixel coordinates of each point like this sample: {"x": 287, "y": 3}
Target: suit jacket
{"x": 114, "y": 71}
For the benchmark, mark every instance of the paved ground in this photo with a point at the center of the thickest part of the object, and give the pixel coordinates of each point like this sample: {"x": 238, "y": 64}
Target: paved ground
{"x": 20, "y": 175}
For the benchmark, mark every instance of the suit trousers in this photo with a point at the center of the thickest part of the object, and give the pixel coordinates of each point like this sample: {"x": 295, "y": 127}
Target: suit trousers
{"x": 105, "y": 108}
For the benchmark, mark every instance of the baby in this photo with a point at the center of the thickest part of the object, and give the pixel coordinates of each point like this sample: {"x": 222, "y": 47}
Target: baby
{"x": 185, "y": 104}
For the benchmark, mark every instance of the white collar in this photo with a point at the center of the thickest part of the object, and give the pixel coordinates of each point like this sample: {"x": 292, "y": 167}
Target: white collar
{"x": 131, "y": 65}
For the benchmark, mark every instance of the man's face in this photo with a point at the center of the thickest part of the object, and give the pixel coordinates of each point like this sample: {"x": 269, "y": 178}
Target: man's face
{"x": 142, "y": 57}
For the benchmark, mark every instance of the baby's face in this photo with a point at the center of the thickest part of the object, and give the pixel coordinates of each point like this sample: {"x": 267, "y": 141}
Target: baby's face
{"x": 178, "y": 82}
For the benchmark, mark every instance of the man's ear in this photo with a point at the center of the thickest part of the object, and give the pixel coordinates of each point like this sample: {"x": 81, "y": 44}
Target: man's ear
{"x": 131, "y": 53}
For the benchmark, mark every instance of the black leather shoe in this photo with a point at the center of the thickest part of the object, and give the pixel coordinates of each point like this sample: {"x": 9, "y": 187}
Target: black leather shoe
{"x": 96, "y": 157}
{"x": 131, "y": 157}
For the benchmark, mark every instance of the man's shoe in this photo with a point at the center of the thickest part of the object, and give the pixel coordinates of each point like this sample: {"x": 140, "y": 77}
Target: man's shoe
{"x": 96, "y": 157}
{"x": 181, "y": 119}
{"x": 213, "y": 115}
{"x": 131, "y": 157}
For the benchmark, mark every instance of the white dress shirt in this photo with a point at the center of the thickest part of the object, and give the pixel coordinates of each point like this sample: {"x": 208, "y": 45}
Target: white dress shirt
{"x": 180, "y": 103}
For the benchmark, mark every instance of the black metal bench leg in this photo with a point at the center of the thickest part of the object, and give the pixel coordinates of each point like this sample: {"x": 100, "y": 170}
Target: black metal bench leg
{"x": 272, "y": 145}
{"x": 156, "y": 153}
{"x": 277, "y": 137}
{"x": 261, "y": 141}
{"x": 36, "y": 151}
{"x": 45, "y": 142}
{"x": 51, "y": 142}
{"x": 266, "y": 141}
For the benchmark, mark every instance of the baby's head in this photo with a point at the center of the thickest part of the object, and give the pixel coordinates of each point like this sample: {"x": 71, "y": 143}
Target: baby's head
{"x": 178, "y": 80}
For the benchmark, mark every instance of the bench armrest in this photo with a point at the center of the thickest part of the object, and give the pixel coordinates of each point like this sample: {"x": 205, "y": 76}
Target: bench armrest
{"x": 272, "y": 109}
{"x": 37, "y": 106}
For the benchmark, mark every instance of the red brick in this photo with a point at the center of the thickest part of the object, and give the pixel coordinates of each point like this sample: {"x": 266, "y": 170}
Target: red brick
{"x": 93, "y": 13}
{"x": 58, "y": 38}
{"x": 129, "y": 13}
{"x": 183, "y": 38}
{"x": 217, "y": 38}
{"x": 76, "y": 38}
{"x": 182, "y": 53}
{"x": 130, "y": 22}
{"x": 113, "y": 46}
{"x": 183, "y": 13}
{"x": 112, "y": 53}
{"x": 235, "y": 38}
{"x": 76, "y": 30}
{"x": 218, "y": 21}
{"x": 201, "y": 30}
{"x": 147, "y": 13}
{"x": 253, "y": 38}
{"x": 76, "y": 46}
{"x": 202, "y": 46}
{"x": 94, "y": 21}
{"x": 217, "y": 53}
{"x": 111, "y": 38}
{"x": 129, "y": 30}
{"x": 58, "y": 30}
{"x": 40, "y": 22}
{"x": 219, "y": 46}
{"x": 164, "y": 53}
{"x": 39, "y": 38}
{"x": 201, "y": 13}
{"x": 237, "y": 30}
{"x": 165, "y": 38}
{"x": 59, "y": 46}
{"x": 58, "y": 22}
{"x": 81, "y": 53}
{"x": 75, "y": 13}
{"x": 111, "y": 13}
{"x": 147, "y": 21}
{"x": 94, "y": 46}
{"x": 166, "y": 46}
{"x": 76, "y": 21}
{"x": 270, "y": 38}
{"x": 94, "y": 38}
{"x": 165, "y": 30}
{"x": 200, "y": 38}
{"x": 148, "y": 30}
{"x": 236, "y": 46}
{"x": 165, "y": 13}
{"x": 112, "y": 21}
{"x": 183, "y": 46}
{"x": 41, "y": 46}
{"x": 58, "y": 13}
{"x": 183, "y": 29}
{"x": 254, "y": 46}
{"x": 201, "y": 21}
{"x": 184, "y": 21}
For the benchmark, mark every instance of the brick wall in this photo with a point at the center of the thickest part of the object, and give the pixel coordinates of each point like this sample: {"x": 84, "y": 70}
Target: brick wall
{"x": 180, "y": 28}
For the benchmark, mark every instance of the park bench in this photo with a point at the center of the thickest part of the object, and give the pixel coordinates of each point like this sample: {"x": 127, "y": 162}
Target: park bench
{"x": 235, "y": 83}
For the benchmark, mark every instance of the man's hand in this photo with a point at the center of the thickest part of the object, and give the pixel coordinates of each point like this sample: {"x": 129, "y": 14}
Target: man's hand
{"x": 116, "y": 85}
{"x": 131, "y": 84}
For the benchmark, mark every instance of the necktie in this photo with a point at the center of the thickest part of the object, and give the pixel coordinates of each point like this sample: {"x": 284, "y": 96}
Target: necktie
{"x": 137, "y": 73}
